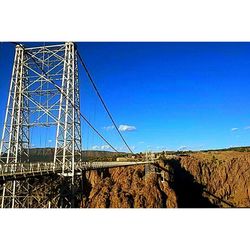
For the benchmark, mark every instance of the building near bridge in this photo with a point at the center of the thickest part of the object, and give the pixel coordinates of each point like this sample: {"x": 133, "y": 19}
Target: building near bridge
{"x": 122, "y": 159}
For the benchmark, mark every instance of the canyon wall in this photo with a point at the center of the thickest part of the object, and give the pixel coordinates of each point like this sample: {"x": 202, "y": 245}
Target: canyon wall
{"x": 197, "y": 180}
{"x": 225, "y": 176}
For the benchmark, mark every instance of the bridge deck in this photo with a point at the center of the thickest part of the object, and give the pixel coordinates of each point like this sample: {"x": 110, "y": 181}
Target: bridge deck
{"x": 24, "y": 170}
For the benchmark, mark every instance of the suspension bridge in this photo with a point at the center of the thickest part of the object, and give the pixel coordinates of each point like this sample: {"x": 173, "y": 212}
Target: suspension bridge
{"x": 44, "y": 92}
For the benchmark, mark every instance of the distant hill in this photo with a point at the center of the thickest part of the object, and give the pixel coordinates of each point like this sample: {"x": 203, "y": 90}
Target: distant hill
{"x": 47, "y": 154}
{"x": 180, "y": 152}
{"x": 238, "y": 149}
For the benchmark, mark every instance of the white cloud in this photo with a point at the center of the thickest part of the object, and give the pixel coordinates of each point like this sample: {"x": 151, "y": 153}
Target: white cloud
{"x": 108, "y": 128}
{"x": 141, "y": 142}
{"x": 124, "y": 128}
{"x": 247, "y": 127}
{"x": 234, "y": 129}
{"x": 183, "y": 148}
{"x": 49, "y": 141}
{"x": 104, "y": 147}
{"x": 164, "y": 148}
{"x": 160, "y": 148}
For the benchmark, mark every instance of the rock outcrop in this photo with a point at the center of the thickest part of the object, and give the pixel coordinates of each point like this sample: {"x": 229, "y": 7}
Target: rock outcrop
{"x": 212, "y": 179}
{"x": 224, "y": 175}
{"x": 128, "y": 187}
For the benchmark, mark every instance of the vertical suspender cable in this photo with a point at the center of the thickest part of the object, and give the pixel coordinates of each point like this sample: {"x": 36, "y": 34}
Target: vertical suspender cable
{"x": 101, "y": 99}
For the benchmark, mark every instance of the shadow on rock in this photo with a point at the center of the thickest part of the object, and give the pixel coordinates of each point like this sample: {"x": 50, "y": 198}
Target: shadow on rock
{"x": 188, "y": 192}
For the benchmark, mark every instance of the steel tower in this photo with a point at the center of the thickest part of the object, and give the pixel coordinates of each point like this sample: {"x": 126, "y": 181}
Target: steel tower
{"x": 44, "y": 92}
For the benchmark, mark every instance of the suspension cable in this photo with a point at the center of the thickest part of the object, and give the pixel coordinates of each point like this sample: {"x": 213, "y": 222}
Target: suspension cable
{"x": 101, "y": 99}
{"x": 62, "y": 92}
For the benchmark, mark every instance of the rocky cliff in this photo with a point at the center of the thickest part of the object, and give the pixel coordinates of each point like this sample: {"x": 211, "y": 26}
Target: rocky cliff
{"x": 127, "y": 187}
{"x": 196, "y": 180}
{"x": 224, "y": 175}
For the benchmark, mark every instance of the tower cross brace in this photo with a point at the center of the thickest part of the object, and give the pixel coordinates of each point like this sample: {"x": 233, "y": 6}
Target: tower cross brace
{"x": 44, "y": 92}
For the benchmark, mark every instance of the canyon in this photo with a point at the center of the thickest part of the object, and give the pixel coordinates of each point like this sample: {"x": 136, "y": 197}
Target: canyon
{"x": 194, "y": 180}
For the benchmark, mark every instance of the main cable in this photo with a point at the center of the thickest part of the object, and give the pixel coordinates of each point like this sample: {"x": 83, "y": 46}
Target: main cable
{"x": 51, "y": 81}
{"x": 101, "y": 99}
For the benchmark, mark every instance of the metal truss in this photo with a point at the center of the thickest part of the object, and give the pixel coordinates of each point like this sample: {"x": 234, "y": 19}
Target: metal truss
{"x": 44, "y": 92}
{"x": 22, "y": 194}
{"x": 15, "y": 138}
{"x": 39, "y": 185}
{"x": 149, "y": 166}
{"x": 41, "y": 192}
{"x": 68, "y": 136}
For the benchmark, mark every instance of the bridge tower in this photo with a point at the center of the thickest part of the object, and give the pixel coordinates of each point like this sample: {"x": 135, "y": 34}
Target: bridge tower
{"x": 44, "y": 93}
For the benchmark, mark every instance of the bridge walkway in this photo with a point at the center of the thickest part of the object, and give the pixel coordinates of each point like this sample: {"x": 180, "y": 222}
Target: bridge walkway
{"x": 26, "y": 170}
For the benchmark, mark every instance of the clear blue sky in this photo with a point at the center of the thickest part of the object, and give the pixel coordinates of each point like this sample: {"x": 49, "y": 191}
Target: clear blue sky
{"x": 176, "y": 95}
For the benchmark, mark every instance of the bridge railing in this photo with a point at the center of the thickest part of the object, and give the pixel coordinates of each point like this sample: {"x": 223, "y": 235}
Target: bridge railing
{"x": 14, "y": 169}
{"x": 27, "y": 168}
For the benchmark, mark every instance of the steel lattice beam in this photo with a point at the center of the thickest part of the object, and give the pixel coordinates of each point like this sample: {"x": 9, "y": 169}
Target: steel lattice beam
{"x": 43, "y": 81}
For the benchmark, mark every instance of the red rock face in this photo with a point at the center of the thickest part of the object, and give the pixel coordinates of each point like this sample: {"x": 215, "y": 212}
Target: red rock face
{"x": 128, "y": 187}
{"x": 199, "y": 180}
{"x": 225, "y": 175}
